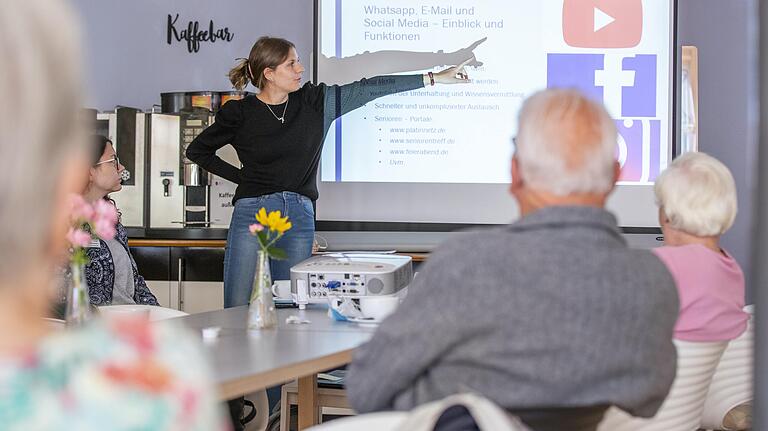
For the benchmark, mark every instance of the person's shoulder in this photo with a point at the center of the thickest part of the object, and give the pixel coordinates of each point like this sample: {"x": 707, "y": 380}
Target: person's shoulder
{"x": 110, "y": 347}
{"x": 113, "y": 347}
{"x": 311, "y": 86}
{"x": 232, "y": 110}
{"x": 121, "y": 232}
{"x": 125, "y": 330}
{"x": 645, "y": 271}
{"x": 689, "y": 257}
{"x": 678, "y": 250}
{"x": 250, "y": 99}
{"x": 117, "y": 367}
{"x": 312, "y": 94}
{"x": 474, "y": 244}
{"x": 310, "y": 89}
{"x": 642, "y": 260}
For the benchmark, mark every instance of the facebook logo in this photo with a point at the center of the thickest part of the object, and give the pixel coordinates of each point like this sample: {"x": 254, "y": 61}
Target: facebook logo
{"x": 627, "y": 87}
{"x": 575, "y": 71}
{"x": 639, "y": 100}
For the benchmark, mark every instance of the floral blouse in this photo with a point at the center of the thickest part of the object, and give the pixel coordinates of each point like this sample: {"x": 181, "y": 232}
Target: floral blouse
{"x": 120, "y": 375}
{"x": 100, "y": 273}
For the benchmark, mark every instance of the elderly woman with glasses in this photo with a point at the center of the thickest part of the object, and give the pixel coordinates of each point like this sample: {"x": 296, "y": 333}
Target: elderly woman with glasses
{"x": 697, "y": 204}
{"x": 111, "y": 271}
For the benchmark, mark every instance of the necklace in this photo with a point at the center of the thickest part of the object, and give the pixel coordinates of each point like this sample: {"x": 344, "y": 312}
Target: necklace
{"x": 280, "y": 119}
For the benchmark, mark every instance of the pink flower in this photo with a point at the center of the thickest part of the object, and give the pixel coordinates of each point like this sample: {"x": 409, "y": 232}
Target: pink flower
{"x": 78, "y": 237}
{"x": 105, "y": 211}
{"x": 79, "y": 208}
{"x": 255, "y": 228}
{"x": 104, "y": 229}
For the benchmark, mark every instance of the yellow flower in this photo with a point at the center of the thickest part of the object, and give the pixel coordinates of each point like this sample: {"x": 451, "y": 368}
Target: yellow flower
{"x": 280, "y": 224}
{"x": 261, "y": 217}
{"x": 273, "y": 220}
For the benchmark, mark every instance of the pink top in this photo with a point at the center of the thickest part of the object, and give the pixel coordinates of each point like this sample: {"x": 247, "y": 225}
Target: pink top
{"x": 711, "y": 290}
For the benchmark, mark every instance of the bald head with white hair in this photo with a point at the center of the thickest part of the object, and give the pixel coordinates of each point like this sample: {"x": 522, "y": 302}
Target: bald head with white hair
{"x": 565, "y": 152}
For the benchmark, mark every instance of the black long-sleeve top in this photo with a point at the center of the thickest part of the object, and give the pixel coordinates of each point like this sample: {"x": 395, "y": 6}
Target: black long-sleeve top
{"x": 280, "y": 156}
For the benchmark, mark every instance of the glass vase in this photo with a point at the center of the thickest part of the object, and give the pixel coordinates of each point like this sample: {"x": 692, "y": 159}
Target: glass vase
{"x": 78, "y": 305}
{"x": 261, "y": 311}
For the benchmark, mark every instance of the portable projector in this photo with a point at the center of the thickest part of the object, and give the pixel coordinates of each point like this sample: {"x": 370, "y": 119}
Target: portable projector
{"x": 349, "y": 274}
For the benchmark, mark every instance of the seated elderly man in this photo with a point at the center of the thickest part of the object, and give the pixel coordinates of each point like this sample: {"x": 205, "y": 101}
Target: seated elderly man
{"x": 552, "y": 317}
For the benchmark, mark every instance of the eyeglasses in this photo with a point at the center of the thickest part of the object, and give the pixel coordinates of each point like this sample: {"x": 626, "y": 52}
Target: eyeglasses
{"x": 113, "y": 160}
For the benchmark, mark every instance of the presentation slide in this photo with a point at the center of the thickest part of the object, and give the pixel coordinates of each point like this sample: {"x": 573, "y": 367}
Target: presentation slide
{"x": 429, "y": 154}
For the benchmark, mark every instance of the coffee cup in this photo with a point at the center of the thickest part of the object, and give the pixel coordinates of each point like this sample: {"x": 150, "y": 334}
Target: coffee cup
{"x": 378, "y": 307}
{"x": 282, "y": 289}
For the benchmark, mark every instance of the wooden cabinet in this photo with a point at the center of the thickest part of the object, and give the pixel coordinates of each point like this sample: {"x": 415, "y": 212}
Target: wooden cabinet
{"x": 189, "y": 279}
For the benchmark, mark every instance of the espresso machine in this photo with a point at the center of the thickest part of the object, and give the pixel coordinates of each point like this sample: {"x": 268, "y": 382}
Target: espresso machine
{"x": 126, "y": 128}
{"x": 181, "y": 193}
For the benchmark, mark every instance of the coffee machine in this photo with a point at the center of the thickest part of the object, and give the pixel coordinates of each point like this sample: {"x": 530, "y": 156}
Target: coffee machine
{"x": 126, "y": 128}
{"x": 163, "y": 189}
{"x": 181, "y": 193}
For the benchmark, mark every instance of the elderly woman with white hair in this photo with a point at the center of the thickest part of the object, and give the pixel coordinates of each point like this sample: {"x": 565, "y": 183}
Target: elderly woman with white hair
{"x": 697, "y": 204}
{"x": 119, "y": 375}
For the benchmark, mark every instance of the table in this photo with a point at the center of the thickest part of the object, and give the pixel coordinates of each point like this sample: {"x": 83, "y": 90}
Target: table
{"x": 245, "y": 361}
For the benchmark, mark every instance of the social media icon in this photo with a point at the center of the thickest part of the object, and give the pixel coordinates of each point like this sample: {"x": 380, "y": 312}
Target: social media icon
{"x": 576, "y": 71}
{"x": 639, "y": 149}
{"x": 631, "y": 78}
{"x": 634, "y": 83}
{"x": 602, "y": 23}
{"x": 639, "y": 100}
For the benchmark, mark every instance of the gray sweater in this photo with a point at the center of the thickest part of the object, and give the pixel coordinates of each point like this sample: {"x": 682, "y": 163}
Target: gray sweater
{"x": 552, "y": 311}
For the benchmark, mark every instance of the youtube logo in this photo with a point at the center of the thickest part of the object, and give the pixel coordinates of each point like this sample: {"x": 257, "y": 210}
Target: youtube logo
{"x": 602, "y": 23}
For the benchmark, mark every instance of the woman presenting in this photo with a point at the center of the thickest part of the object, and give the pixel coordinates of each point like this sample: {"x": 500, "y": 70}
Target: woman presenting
{"x": 278, "y": 135}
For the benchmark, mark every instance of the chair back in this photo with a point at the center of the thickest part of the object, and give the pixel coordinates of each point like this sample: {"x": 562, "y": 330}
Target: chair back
{"x": 682, "y": 409}
{"x": 732, "y": 382}
{"x": 261, "y": 404}
{"x": 381, "y": 421}
{"x": 585, "y": 418}
{"x": 487, "y": 415}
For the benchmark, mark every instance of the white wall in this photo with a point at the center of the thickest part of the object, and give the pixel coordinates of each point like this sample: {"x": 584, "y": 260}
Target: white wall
{"x": 129, "y": 62}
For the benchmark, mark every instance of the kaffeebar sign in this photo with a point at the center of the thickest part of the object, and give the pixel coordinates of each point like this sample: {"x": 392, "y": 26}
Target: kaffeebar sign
{"x": 192, "y": 34}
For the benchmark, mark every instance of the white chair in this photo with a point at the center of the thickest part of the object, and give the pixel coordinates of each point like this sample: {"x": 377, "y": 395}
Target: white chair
{"x": 154, "y": 312}
{"x": 261, "y": 403}
{"x": 382, "y": 421}
{"x": 681, "y": 410}
{"x": 489, "y": 417}
{"x": 732, "y": 382}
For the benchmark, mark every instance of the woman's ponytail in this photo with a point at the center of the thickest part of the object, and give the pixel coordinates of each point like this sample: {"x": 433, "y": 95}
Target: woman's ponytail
{"x": 239, "y": 75}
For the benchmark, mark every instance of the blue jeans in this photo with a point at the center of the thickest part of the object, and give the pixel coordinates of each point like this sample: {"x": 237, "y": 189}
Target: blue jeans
{"x": 242, "y": 247}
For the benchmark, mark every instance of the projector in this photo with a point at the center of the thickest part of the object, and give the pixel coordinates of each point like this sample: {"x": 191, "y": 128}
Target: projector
{"x": 349, "y": 274}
